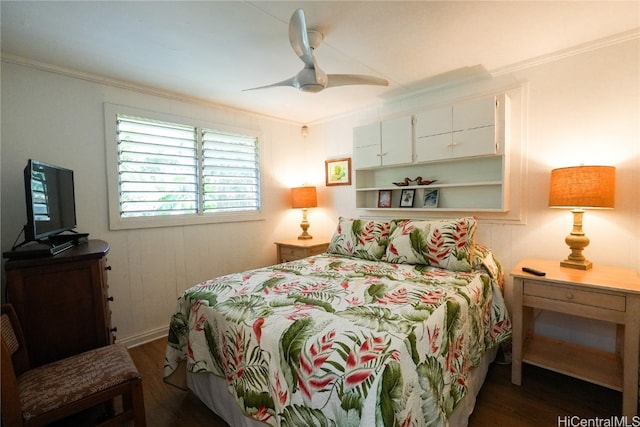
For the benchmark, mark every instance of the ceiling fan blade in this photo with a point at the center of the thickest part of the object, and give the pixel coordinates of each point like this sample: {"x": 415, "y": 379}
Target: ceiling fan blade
{"x": 288, "y": 82}
{"x": 311, "y": 78}
{"x": 299, "y": 38}
{"x": 354, "y": 79}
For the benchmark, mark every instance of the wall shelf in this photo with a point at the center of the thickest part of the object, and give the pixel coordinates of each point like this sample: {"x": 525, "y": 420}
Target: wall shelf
{"x": 431, "y": 186}
{"x": 468, "y": 184}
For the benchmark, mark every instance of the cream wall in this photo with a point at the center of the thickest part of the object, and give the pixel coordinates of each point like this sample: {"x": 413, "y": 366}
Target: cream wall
{"x": 58, "y": 118}
{"x": 580, "y": 107}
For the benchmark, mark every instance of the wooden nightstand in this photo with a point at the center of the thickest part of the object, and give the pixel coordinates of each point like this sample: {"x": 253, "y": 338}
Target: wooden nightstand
{"x": 293, "y": 249}
{"x": 606, "y": 293}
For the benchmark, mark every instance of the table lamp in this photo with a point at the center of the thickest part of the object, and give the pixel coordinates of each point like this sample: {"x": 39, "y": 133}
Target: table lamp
{"x": 581, "y": 187}
{"x": 303, "y": 198}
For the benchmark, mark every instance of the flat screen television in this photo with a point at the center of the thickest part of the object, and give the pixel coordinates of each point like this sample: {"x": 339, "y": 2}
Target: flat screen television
{"x": 51, "y": 206}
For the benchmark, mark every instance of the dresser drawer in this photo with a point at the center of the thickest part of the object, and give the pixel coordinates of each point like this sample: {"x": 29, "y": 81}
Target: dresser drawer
{"x": 576, "y": 296}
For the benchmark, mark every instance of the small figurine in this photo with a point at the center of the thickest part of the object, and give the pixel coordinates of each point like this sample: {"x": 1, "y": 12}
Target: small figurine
{"x": 418, "y": 181}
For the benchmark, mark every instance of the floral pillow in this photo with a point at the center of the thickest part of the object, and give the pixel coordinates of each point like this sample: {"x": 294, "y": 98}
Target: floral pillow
{"x": 485, "y": 259}
{"x": 444, "y": 243}
{"x": 366, "y": 239}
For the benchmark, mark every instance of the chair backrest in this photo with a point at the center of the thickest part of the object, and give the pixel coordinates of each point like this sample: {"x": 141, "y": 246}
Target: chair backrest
{"x": 8, "y": 334}
{"x": 13, "y": 338}
{"x": 14, "y": 356}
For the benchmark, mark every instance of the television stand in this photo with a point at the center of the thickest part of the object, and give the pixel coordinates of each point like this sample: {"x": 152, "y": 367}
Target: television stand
{"x": 53, "y": 245}
{"x": 64, "y": 300}
{"x": 64, "y": 239}
{"x": 56, "y": 248}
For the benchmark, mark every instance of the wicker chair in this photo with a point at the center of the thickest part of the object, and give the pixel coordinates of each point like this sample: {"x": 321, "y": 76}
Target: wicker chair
{"x": 39, "y": 396}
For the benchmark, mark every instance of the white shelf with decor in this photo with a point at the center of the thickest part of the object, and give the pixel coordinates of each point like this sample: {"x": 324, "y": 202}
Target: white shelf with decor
{"x": 475, "y": 184}
{"x": 463, "y": 148}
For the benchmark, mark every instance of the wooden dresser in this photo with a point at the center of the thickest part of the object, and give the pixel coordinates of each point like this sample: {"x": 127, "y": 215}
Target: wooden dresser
{"x": 62, "y": 301}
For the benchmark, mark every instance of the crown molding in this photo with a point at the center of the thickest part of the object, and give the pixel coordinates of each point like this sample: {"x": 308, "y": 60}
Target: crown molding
{"x": 569, "y": 52}
{"x": 501, "y": 71}
{"x": 122, "y": 84}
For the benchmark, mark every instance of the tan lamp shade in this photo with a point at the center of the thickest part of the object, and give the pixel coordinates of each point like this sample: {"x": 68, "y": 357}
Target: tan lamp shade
{"x": 303, "y": 197}
{"x": 583, "y": 187}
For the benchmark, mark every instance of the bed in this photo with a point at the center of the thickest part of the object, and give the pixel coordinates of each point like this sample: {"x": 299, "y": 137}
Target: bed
{"x": 394, "y": 326}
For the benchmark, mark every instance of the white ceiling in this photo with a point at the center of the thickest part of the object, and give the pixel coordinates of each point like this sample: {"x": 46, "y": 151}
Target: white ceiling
{"x": 212, "y": 50}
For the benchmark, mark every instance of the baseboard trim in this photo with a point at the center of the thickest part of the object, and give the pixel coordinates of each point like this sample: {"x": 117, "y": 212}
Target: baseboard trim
{"x": 145, "y": 337}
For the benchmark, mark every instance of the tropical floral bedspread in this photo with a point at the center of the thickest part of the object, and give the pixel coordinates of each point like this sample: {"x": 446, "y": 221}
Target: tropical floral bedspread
{"x": 338, "y": 341}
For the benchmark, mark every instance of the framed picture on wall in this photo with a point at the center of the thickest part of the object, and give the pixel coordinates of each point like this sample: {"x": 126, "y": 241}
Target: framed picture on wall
{"x": 384, "y": 198}
{"x": 338, "y": 171}
{"x": 431, "y": 199}
{"x": 406, "y": 198}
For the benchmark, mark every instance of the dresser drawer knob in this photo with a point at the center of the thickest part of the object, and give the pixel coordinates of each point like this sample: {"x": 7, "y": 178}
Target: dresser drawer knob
{"x": 569, "y": 295}
{"x": 108, "y": 267}
{"x": 110, "y": 299}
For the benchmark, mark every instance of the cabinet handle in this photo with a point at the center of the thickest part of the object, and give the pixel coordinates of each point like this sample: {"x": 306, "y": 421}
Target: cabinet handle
{"x": 569, "y": 295}
{"x": 110, "y": 299}
{"x": 114, "y": 329}
{"x": 108, "y": 267}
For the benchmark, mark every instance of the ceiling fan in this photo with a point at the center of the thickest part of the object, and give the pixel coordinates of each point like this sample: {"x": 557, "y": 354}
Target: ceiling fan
{"x": 311, "y": 78}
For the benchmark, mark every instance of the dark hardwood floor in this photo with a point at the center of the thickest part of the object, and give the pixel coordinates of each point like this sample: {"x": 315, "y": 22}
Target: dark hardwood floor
{"x": 543, "y": 397}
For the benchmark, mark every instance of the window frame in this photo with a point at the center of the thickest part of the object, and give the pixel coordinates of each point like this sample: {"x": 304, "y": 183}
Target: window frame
{"x": 116, "y": 222}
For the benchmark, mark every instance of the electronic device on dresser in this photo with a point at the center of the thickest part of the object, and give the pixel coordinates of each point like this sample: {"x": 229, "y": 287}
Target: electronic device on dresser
{"x": 51, "y": 212}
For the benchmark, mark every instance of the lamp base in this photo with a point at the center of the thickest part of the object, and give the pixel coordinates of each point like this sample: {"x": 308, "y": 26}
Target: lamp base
{"x": 577, "y": 241}
{"x": 304, "y": 236}
{"x": 305, "y": 226}
{"x": 579, "y": 265}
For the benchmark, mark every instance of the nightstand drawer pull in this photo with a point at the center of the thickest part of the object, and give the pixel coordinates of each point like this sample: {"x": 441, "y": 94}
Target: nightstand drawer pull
{"x": 569, "y": 295}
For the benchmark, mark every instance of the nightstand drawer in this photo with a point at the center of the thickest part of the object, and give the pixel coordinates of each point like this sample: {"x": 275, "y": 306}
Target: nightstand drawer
{"x": 289, "y": 253}
{"x": 292, "y": 250}
{"x": 576, "y": 296}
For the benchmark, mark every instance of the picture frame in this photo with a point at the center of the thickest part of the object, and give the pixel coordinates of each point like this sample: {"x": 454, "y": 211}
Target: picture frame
{"x": 337, "y": 171}
{"x": 431, "y": 198}
{"x": 406, "y": 198}
{"x": 384, "y": 198}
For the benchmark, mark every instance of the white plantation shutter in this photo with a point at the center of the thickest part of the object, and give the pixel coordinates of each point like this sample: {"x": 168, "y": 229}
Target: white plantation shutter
{"x": 157, "y": 168}
{"x": 230, "y": 172}
{"x": 170, "y": 169}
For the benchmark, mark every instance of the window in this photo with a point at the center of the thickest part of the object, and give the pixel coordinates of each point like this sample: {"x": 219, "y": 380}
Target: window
{"x": 164, "y": 171}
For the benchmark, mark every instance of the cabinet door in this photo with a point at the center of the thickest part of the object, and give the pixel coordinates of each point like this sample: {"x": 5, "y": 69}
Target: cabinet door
{"x": 474, "y": 114}
{"x": 474, "y": 128}
{"x": 396, "y": 146}
{"x": 433, "y": 135}
{"x": 433, "y": 122}
{"x": 474, "y": 142}
{"x": 366, "y": 146}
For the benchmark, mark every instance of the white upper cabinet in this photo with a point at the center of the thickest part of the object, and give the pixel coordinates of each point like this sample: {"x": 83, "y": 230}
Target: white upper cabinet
{"x": 434, "y": 130}
{"x": 467, "y": 129}
{"x": 461, "y": 147}
{"x": 383, "y": 143}
{"x": 366, "y": 146}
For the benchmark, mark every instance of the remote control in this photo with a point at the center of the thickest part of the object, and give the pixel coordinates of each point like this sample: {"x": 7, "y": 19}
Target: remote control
{"x": 534, "y": 271}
